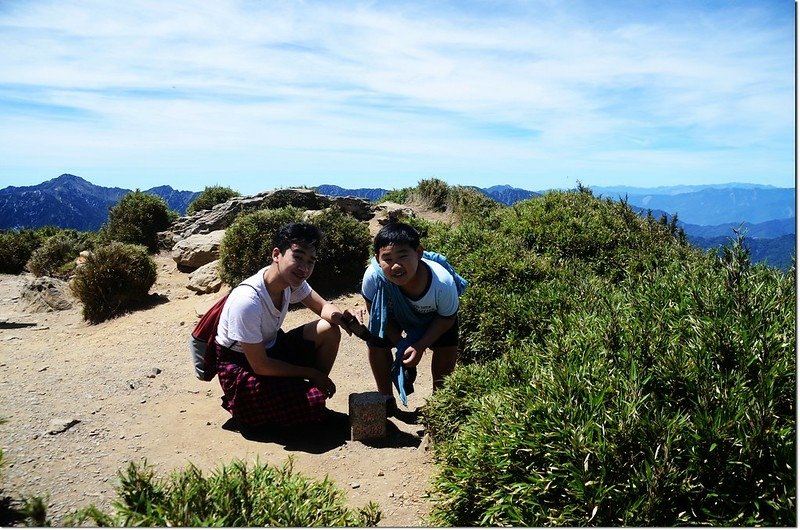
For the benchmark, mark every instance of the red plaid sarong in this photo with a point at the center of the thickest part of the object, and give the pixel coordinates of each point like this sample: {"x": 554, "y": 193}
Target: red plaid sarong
{"x": 256, "y": 400}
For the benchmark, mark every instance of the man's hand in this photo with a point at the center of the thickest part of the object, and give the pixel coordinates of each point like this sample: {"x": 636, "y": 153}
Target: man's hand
{"x": 324, "y": 383}
{"x": 354, "y": 323}
{"x": 412, "y": 355}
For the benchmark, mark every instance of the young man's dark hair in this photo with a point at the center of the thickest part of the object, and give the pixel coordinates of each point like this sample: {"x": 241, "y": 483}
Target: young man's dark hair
{"x": 396, "y": 233}
{"x": 305, "y": 234}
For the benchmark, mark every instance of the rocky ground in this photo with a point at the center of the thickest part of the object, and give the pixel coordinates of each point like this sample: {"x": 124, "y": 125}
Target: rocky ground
{"x": 82, "y": 401}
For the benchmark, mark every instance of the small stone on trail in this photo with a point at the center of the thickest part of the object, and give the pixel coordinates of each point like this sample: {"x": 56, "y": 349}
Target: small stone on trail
{"x": 154, "y": 372}
{"x": 60, "y": 425}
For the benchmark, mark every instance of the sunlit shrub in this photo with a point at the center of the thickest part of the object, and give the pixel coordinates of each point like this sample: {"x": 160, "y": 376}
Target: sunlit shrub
{"x": 16, "y": 248}
{"x": 114, "y": 279}
{"x": 234, "y": 495}
{"x": 137, "y": 218}
{"x": 56, "y": 256}
{"x": 210, "y": 197}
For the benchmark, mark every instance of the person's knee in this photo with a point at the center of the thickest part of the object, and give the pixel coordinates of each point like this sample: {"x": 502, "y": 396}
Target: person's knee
{"x": 322, "y": 331}
{"x": 330, "y": 330}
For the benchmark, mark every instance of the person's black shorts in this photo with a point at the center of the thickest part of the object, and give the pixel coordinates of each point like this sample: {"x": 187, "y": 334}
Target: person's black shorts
{"x": 292, "y": 348}
{"x": 448, "y": 338}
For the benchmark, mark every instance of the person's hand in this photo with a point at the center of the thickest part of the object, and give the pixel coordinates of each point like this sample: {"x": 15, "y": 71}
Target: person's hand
{"x": 412, "y": 355}
{"x": 324, "y": 383}
{"x": 354, "y": 323}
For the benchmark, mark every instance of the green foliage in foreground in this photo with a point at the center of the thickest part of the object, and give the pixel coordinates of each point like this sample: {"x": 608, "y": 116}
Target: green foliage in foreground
{"x": 620, "y": 377}
{"x": 210, "y": 197}
{"x": 115, "y": 278}
{"x": 232, "y": 496}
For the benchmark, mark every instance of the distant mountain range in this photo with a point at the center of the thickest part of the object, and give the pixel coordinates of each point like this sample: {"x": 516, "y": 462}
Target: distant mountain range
{"x": 69, "y": 201}
{"x": 503, "y": 194}
{"x": 708, "y": 214}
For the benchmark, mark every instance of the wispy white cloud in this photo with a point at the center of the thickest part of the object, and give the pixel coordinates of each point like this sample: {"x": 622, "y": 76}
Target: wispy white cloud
{"x": 532, "y": 93}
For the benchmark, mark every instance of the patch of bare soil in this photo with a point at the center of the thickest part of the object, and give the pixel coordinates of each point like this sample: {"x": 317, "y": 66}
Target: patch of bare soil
{"x": 82, "y": 401}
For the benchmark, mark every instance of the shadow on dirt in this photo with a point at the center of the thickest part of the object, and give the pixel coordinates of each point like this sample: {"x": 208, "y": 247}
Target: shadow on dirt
{"x": 332, "y": 432}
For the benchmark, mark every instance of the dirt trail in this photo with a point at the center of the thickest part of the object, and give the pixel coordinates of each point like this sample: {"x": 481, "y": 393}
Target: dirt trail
{"x": 129, "y": 384}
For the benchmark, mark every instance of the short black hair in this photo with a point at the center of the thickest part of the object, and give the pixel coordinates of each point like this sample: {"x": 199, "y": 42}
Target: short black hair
{"x": 396, "y": 233}
{"x": 305, "y": 234}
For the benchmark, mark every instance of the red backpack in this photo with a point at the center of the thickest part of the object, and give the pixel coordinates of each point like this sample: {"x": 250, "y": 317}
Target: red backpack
{"x": 201, "y": 342}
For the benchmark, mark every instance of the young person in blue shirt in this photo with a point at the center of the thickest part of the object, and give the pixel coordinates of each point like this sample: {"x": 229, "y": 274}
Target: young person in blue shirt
{"x": 412, "y": 299}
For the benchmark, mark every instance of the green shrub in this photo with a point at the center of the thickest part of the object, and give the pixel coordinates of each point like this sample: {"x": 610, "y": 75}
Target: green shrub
{"x": 463, "y": 202}
{"x": 344, "y": 254}
{"x": 210, "y": 197}
{"x": 433, "y": 193}
{"x": 137, "y": 218}
{"x": 247, "y": 245}
{"x": 341, "y": 258}
{"x": 56, "y": 256}
{"x": 399, "y": 196}
{"x": 16, "y": 248}
{"x": 306, "y": 199}
{"x": 469, "y": 203}
{"x": 232, "y": 496}
{"x": 660, "y": 398}
{"x": 115, "y": 278}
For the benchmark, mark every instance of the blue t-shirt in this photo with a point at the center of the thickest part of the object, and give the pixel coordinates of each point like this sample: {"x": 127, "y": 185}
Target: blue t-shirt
{"x": 441, "y": 295}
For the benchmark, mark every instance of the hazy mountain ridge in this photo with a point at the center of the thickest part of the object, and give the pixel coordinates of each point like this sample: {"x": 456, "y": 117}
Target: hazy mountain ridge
{"x": 69, "y": 201}
{"x": 715, "y": 206}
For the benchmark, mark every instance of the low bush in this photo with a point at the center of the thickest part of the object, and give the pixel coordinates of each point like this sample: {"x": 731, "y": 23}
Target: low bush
{"x": 16, "y": 248}
{"x": 248, "y": 242}
{"x": 137, "y": 219}
{"x": 344, "y": 254}
{"x": 462, "y": 202}
{"x": 232, "y": 496}
{"x": 115, "y": 278}
{"x": 56, "y": 256}
{"x": 663, "y": 397}
{"x": 341, "y": 257}
{"x": 210, "y": 197}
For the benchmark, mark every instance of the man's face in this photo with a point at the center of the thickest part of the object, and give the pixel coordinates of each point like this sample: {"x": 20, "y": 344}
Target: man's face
{"x": 296, "y": 263}
{"x": 399, "y": 263}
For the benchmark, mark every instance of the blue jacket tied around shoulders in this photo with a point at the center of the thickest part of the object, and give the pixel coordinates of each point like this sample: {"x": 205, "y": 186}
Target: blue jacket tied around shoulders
{"x": 412, "y": 322}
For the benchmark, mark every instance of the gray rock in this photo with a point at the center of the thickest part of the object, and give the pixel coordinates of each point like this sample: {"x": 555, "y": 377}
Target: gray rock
{"x": 198, "y": 249}
{"x": 59, "y": 425}
{"x": 46, "y": 294}
{"x": 222, "y": 215}
{"x": 205, "y": 279}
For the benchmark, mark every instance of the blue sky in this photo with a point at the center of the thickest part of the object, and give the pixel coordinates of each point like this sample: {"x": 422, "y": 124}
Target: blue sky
{"x": 537, "y": 94}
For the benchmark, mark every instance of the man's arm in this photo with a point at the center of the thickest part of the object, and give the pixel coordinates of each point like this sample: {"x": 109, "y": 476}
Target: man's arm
{"x": 438, "y": 327}
{"x": 326, "y": 310}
